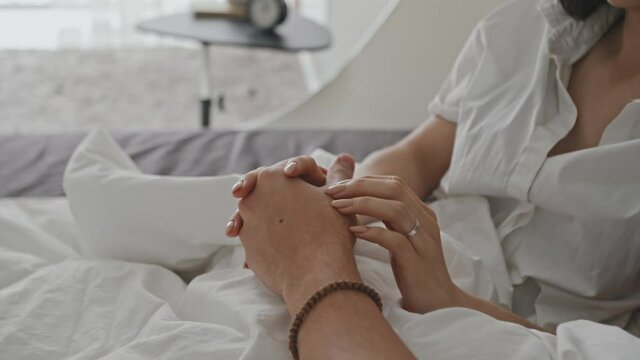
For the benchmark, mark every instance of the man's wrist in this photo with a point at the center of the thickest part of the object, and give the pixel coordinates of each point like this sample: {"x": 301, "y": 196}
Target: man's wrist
{"x": 296, "y": 293}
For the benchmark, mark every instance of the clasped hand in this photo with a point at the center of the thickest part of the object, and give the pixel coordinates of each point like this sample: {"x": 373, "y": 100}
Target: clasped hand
{"x": 296, "y": 242}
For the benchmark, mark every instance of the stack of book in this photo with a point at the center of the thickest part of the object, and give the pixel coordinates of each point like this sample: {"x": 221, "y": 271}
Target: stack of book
{"x": 229, "y": 8}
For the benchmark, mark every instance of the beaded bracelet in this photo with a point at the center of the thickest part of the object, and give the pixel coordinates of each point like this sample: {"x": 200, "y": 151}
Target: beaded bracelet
{"x": 317, "y": 297}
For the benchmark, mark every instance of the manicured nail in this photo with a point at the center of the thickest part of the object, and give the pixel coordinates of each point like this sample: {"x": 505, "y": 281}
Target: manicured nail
{"x": 335, "y": 189}
{"x": 342, "y": 203}
{"x": 237, "y": 186}
{"x": 359, "y": 229}
{"x": 291, "y": 167}
{"x": 230, "y": 225}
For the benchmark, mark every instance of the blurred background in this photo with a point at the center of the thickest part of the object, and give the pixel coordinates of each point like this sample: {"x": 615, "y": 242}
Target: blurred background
{"x": 72, "y": 65}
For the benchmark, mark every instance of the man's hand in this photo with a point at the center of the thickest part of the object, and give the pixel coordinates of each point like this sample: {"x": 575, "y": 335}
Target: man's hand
{"x": 303, "y": 167}
{"x": 294, "y": 240}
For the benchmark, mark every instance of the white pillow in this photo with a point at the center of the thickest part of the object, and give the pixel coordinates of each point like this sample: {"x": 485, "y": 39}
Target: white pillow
{"x": 176, "y": 222}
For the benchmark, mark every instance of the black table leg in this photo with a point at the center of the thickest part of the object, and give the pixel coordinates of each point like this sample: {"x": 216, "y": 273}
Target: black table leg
{"x": 205, "y": 86}
{"x": 205, "y": 111}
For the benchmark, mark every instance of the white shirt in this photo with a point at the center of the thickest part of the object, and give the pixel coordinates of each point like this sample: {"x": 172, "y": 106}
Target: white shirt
{"x": 569, "y": 225}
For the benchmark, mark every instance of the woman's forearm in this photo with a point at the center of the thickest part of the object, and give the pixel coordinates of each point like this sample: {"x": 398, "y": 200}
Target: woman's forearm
{"x": 421, "y": 159}
{"x": 496, "y": 311}
{"x": 399, "y": 160}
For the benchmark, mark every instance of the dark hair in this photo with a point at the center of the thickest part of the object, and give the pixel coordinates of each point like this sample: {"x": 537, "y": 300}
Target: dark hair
{"x": 581, "y": 9}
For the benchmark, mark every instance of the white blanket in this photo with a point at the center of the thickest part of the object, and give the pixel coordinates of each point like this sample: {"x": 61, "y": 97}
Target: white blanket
{"x": 57, "y": 303}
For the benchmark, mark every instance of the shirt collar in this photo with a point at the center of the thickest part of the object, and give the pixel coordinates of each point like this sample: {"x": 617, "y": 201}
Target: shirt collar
{"x": 568, "y": 38}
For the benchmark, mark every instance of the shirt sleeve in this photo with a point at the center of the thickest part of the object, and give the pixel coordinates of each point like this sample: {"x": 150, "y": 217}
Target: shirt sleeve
{"x": 447, "y": 102}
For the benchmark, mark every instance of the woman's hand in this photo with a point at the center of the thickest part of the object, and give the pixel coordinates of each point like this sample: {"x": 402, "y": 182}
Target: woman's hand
{"x": 412, "y": 238}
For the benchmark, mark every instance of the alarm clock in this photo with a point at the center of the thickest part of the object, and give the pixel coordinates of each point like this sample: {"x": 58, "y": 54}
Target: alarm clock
{"x": 265, "y": 15}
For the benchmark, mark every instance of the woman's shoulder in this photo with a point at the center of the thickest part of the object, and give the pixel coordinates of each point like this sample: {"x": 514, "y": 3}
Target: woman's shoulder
{"x": 515, "y": 20}
{"x": 511, "y": 38}
{"x": 503, "y": 48}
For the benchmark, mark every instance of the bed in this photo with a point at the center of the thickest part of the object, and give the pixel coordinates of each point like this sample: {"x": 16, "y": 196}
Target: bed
{"x": 58, "y": 303}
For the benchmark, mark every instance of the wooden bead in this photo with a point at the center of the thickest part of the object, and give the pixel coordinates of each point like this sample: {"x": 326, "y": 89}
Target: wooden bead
{"x": 317, "y": 297}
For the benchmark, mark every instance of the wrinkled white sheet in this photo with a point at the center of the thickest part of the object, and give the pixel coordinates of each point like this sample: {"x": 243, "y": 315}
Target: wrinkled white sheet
{"x": 124, "y": 214}
{"x": 56, "y": 303}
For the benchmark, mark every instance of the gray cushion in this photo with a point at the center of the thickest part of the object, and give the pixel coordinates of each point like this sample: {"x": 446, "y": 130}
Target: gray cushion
{"x": 33, "y": 165}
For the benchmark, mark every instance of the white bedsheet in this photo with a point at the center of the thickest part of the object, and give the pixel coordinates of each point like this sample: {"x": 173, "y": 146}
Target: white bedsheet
{"x": 56, "y": 305}
{"x": 58, "y": 300}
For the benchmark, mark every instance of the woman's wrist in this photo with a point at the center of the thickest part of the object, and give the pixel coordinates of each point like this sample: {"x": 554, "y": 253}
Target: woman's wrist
{"x": 461, "y": 298}
{"x": 453, "y": 297}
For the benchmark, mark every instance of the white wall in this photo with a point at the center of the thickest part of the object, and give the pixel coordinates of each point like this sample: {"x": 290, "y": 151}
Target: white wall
{"x": 392, "y": 80}
{"x": 348, "y": 20}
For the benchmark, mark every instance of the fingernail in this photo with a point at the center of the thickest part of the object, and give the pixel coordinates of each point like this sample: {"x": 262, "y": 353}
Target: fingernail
{"x": 291, "y": 167}
{"x": 359, "y": 229}
{"x": 237, "y": 186}
{"x": 245, "y": 265}
{"x": 342, "y": 203}
{"x": 230, "y": 225}
{"x": 335, "y": 189}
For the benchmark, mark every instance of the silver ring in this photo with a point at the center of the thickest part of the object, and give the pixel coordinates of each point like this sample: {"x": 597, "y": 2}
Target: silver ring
{"x": 415, "y": 229}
